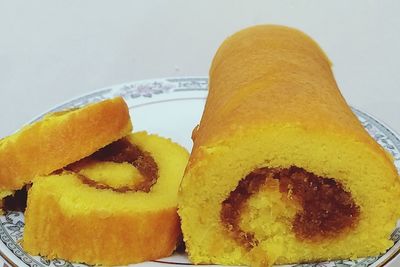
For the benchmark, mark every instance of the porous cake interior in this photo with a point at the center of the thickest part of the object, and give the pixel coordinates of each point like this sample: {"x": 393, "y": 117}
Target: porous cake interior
{"x": 272, "y": 223}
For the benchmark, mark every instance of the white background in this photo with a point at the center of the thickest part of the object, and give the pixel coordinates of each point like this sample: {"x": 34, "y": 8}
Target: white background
{"x": 52, "y": 51}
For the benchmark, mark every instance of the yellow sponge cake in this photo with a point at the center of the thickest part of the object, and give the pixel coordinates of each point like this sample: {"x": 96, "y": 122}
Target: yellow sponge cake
{"x": 59, "y": 139}
{"x": 115, "y": 207}
{"x": 281, "y": 170}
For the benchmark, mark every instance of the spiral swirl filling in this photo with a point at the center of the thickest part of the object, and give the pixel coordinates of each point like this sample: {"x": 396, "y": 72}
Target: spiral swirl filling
{"x": 325, "y": 208}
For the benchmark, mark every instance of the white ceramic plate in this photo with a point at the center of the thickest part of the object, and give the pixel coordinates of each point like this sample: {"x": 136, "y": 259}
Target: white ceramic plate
{"x": 172, "y": 107}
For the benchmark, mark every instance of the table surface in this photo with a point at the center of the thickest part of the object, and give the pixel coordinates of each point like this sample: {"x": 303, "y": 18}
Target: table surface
{"x": 56, "y": 50}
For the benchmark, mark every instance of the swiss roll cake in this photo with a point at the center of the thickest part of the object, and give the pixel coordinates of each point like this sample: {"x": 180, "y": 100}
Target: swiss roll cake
{"x": 114, "y": 207}
{"x": 59, "y": 139}
{"x": 281, "y": 170}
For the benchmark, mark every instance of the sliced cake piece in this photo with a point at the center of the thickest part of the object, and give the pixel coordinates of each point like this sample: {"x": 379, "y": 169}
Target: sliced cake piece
{"x": 59, "y": 139}
{"x": 115, "y": 207}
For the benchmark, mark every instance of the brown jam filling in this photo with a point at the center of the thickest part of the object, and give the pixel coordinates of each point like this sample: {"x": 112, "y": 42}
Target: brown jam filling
{"x": 326, "y": 208}
{"x": 17, "y": 201}
{"x": 121, "y": 151}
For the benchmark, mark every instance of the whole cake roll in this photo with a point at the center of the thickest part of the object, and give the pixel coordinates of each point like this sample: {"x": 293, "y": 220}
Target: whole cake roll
{"x": 281, "y": 170}
{"x": 59, "y": 139}
{"x": 115, "y": 207}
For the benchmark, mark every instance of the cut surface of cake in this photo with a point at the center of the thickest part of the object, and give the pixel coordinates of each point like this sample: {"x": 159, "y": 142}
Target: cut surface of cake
{"x": 115, "y": 207}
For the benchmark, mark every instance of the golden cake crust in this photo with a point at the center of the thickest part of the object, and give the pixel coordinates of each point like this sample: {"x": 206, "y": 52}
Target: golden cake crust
{"x": 279, "y": 66}
{"x": 59, "y": 139}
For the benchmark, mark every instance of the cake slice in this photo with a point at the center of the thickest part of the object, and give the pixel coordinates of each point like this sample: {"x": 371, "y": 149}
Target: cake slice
{"x": 59, "y": 139}
{"x": 115, "y": 207}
